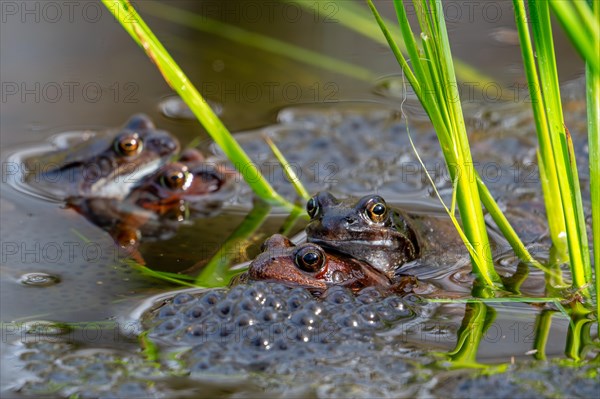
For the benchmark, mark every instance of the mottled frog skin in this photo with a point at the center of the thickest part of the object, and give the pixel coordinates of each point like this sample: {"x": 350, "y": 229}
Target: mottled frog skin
{"x": 366, "y": 229}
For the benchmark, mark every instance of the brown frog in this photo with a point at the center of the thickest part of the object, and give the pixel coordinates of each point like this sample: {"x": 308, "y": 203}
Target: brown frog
{"x": 366, "y": 229}
{"x": 105, "y": 164}
{"x": 308, "y": 265}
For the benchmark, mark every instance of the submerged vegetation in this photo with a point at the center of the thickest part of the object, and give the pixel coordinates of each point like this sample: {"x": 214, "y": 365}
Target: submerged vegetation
{"x": 427, "y": 64}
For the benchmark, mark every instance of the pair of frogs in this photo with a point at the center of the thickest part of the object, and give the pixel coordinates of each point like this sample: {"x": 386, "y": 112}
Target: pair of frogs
{"x": 355, "y": 244}
{"x": 133, "y": 180}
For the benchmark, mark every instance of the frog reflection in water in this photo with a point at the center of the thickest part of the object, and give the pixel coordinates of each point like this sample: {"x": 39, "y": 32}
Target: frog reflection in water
{"x": 189, "y": 188}
{"x": 106, "y": 164}
{"x": 367, "y": 229}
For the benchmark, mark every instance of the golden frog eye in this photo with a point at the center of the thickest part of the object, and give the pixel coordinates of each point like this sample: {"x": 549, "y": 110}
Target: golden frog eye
{"x": 128, "y": 144}
{"x": 309, "y": 258}
{"x": 377, "y": 210}
{"x": 312, "y": 207}
{"x": 176, "y": 178}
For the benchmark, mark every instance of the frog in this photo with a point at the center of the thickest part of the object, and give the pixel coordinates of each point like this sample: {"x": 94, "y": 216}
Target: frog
{"x": 104, "y": 164}
{"x": 193, "y": 180}
{"x": 367, "y": 229}
{"x": 189, "y": 187}
{"x": 308, "y": 265}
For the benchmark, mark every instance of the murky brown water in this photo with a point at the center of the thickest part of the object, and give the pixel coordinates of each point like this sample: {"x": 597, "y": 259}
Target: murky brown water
{"x": 83, "y": 72}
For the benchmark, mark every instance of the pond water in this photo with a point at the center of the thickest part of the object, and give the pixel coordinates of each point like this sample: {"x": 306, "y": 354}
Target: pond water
{"x": 72, "y": 68}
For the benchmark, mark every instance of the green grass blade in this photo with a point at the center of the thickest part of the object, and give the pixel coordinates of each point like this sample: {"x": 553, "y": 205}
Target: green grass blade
{"x": 289, "y": 171}
{"x": 435, "y": 95}
{"x": 174, "y": 76}
{"x": 396, "y": 50}
{"x": 290, "y": 222}
{"x": 256, "y": 40}
{"x": 442, "y": 104}
{"x": 505, "y": 227}
{"x": 577, "y": 335}
{"x": 409, "y": 40}
{"x": 548, "y": 173}
{"x": 566, "y": 169}
{"x": 478, "y": 317}
{"x": 469, "y": 203}
{"x": 582, "y": 27}
{"x": 422, "y": 93}
{"x": 593, "y": 117}
{"x": 554, "y": 213}
{"x": 449, "y": 211}
{"x": 543, "y": 322}
{"x": 216, "y": 272}
{"x": 578, "y": 202}
{"x": 168, "y": 277}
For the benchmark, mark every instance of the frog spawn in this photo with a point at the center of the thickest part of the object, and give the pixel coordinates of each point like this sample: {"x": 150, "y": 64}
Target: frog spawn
{"x": 63, "y": 370}
{"x": 230, "y": 335}
{"x": 264, "y": 325}
{"x": 367, "y": 355}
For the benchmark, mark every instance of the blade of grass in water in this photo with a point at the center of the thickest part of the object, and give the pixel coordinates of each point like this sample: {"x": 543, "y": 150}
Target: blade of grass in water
{"x": 593, "y": 116}
{"x": 174, "y": 278}
{"x": 165, "y": 276}
{"x": 507, "y": 230}
{"x": 543, "y": 322}
{"x": 435, "y": 85}
{"x": 593, "y": 111}
{"x": 568, "y": 179}
{"x": 548, "y": 172}
{"x": 216, "y": 272}
{"x": 578, "y": 336}
{"x": 449, "y": 211}
{"x": 582, "y": 26}
{"x": 174, "y": 76}
{"x": 291, "y": 220}
{"x": 289, "y": 171}
{"x": 478, "y": 318}
{"x": 563, "y": 200}
{"x": 255, "y": 40}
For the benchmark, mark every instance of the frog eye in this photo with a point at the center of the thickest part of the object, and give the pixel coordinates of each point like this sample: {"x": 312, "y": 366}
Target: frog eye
{"x": 377, "y": 210}
{"x": 312, "y": 207}
{"x": 128, "y": 144}
{"x": 310, "y": 258}
{"x": 177, "y": 178}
